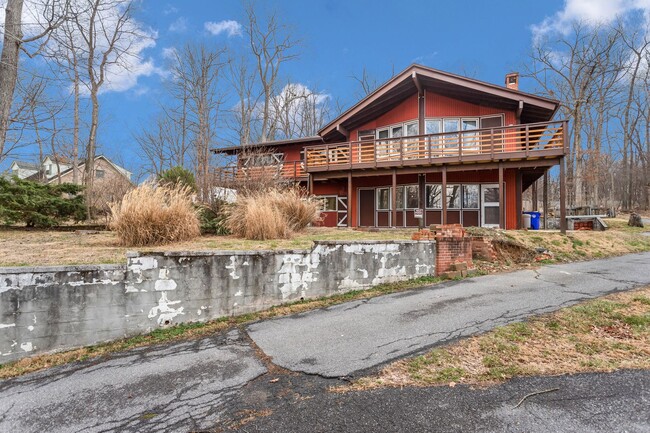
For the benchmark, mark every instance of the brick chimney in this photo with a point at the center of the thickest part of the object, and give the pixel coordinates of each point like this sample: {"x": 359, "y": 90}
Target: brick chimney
{"x": 512, "y": 80}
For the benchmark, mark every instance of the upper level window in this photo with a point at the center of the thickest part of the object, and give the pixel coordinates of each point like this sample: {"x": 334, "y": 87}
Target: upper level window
{"x": 396, "y": 131}
{"x": 99, "y": 174}
{"x": 412, "y": 129}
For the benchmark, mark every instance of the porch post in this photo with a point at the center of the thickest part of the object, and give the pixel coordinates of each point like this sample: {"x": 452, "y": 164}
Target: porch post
{"x": 545, "y": 198}
{"x": 534, "y": 195}
{"x": 393, "y": 200}
{"x": 311, "y": 184}
{"x": 501, "y": 198}
{"x": 350, "y": 193}
{"x": 422, "y": 200}
{"x": 562, "y": 197}
{"x": 443, "y": 194}
{"x": 519, "y": 201}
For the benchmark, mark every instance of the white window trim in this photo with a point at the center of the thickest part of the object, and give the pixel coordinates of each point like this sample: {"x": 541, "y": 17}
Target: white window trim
{"x": 462, "y": 198}
{"x": 390, "y": 198}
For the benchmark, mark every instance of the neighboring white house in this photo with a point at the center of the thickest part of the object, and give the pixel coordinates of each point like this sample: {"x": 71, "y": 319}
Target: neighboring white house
{"x": 51, "y": 168}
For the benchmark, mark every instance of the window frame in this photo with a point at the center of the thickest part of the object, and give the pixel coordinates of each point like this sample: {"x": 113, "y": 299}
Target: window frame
{"x": 426, "y": 201}
{"x": 478, "y": 196}
{"x": 460, "y": 196}
{"x": 378, "y": 191}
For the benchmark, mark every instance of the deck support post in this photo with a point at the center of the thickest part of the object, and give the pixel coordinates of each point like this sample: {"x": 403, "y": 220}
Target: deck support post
{"x": 518, "y": 199}
{"x": 311, "y": 184}
{"x": 350, "y": 193}
{"x": 393, "y": 201}
{"x": 502, "y": 210}
{"x": 562, "y": 197}
{"x": 533, "y": 194}
{"x": 422, "y": 199}
{"x": 545, "y": 198}
{"x": 443, "y": 194}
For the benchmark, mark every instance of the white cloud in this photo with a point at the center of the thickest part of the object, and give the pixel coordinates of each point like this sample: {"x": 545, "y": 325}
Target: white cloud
{"x": 231, "y": 27}
{"x": 123, "y": 69}
{"x": 592, "y": 12}
{"x": 170, "y": 10}
{"x": 178, "y": 26}
{"x": 169, "y": 53}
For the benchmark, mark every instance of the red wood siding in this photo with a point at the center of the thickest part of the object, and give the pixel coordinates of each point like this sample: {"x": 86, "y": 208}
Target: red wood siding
{"x": 442, "y": 106}
{"x": 406, "y": 110}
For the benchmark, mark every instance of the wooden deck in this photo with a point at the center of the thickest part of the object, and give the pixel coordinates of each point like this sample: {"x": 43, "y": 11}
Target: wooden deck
{"x": 517, "y": 142}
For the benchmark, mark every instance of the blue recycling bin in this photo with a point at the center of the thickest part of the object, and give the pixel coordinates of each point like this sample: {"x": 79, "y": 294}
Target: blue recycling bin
{"x": 534, "y": 219}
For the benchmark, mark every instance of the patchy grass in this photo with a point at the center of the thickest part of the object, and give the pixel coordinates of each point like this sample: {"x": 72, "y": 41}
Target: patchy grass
{"x": 47, "y": 248}
{"x": 517, "y": 248}
{"x": 604, "y": 334}
{"x": 201, "y": 329}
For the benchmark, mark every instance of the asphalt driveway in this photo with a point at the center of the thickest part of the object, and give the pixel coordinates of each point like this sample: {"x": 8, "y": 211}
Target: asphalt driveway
{"x": 203, "y": 385}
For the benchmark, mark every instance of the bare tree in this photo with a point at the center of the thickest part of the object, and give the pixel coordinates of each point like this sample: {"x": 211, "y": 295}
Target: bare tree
{"x": 638, "y": 45}
{"x": 107, "y": 33}
{"x": 271, "y": 45}
{"x": 197, "y": 71}
{"x": 566, "y": 69}
{"x": 366, "y": 83}
{"x": 162, "y": 144}
{"x": 52, "y": 13}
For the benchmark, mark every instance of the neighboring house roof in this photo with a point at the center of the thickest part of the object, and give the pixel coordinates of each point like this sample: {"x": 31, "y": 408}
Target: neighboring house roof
{"x": 124, "y": 172}
{"x": 533, "y": 108}
{"x": 25, "y": 165}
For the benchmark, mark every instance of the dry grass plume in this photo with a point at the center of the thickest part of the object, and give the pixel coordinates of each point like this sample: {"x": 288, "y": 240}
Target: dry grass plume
{"x": 272, "y": 214}
{"x": 155, "y": 215}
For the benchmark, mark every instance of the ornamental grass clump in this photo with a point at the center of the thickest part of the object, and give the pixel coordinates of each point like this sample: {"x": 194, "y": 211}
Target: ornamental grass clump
{"x": 272, "y": 214}
{"x": 155, "y": 215}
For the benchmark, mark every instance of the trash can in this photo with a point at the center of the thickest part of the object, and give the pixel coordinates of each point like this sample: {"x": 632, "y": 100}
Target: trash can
{"x": 526, "y": 220}
{"x": 534, "y": 219}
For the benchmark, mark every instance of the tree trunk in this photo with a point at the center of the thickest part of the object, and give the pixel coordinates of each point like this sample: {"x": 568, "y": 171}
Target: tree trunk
{"x": 9, "y": 65}
{"x": 90, "y": 150}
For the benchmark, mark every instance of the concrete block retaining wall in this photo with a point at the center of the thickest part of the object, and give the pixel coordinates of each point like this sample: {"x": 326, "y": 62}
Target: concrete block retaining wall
{"x": 54, "y": 308}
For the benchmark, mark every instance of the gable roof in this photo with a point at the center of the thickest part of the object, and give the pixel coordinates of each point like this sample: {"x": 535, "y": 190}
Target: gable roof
{"x": 533, "y": 108}
{"x": 121, "y": 170}
{"x": 26, "y": 165}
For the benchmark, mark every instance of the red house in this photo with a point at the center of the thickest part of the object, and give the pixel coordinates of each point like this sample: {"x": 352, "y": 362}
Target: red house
{"x": 427, "y": 147}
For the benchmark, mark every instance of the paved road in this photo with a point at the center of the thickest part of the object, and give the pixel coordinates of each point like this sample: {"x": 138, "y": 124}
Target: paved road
{"x": 594, "y": 403}
{"x": 200, "y": 385}
{"x": 178, "y": 388}
{"x": 352, "y": 337}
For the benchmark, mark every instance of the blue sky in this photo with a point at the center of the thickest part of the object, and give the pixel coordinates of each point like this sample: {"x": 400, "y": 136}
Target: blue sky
{"x": 482, "y": 39}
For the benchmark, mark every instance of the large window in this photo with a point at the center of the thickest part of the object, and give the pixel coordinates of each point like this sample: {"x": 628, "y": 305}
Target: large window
{"x": 399, "y": 199}
{"x": 434, "y": 196}
{"x": 383, "y": 199}
{"x": 470, "y": 139}
{"x": 470, "y": 196}
{"x": 412, "y": 129}
{"x": 453, "y": 196}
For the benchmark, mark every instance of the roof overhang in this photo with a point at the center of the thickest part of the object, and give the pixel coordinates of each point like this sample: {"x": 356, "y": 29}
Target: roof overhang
{"x": 234, "y": 150}
{"x": 415, "y": 78}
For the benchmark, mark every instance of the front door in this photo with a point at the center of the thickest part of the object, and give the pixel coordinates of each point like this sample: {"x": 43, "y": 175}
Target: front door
{"x": 490, "y": 205}
{"x": 366, "y": 207}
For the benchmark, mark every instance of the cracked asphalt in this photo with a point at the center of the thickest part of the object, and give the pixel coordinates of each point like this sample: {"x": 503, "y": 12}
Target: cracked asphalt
{"x": 274, "y": 375}
{"x": 345, "y": 339}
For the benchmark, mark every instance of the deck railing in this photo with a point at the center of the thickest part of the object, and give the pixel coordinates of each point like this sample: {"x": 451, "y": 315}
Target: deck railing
{"x": 291, "y": 170}
{"x": 517, "y": 141}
